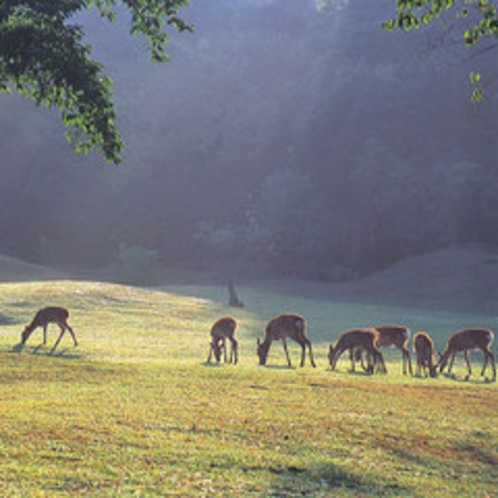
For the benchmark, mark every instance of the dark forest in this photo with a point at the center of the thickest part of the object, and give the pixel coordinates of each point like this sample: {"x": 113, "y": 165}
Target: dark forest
{"x": 285, "y": 137}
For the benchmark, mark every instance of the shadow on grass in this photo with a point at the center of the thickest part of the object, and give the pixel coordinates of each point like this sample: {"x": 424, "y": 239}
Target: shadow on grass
{"x": 40, "y": 350}
{"x": 212, "y": 364}
{"x": 7, "y": 320}
{"x": 279, "y": 367}
{"x": 475, "y": 378}
{"x": 356, "y": 373}
{"x": 329, "y": 480}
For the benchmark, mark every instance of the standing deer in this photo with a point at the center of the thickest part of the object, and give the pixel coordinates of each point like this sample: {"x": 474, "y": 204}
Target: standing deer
{"x": 286, "y": 326}
{"x": 398, "y": 337}
{"x": 223, "y": 329}
{"x": 465, "y": 341}
{"x": 358, "y": 340}
{"x": 423, "y": 347}
{"x": 43, "y": 317}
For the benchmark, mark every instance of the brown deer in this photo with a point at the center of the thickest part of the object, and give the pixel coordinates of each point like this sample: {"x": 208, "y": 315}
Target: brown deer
{"x": 464, "y": 341}
{"x": 223, "y": 329}
{"x": 43, "y": 317}
{"x": 396, "y": 336}
{"x": 423, "y": 347}
{"x": 286, "y": 326}
{"x": 358, "y": 340}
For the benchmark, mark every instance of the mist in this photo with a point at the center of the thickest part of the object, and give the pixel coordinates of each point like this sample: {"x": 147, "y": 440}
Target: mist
{"x": 280, "y": 138}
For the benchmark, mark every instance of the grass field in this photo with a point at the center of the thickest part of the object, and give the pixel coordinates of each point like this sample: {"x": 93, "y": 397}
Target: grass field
{"x": 135, "y": 411}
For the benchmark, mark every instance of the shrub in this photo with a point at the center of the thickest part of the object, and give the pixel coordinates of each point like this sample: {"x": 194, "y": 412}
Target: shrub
{"x": 135, "y": 265}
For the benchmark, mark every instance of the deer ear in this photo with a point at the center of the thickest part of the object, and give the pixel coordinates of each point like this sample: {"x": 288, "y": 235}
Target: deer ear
{"x": 258, "y": 342}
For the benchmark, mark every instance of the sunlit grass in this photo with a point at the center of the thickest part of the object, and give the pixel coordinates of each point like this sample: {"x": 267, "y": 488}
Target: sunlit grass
{"x": 134, "y": 410}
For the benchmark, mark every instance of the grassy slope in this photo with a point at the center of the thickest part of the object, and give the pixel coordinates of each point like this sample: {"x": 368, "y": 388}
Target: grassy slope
{"x": 135, "y": 411}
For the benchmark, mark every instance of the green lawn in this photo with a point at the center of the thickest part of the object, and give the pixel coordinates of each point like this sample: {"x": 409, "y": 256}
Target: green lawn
{"x": 135, "y": 411}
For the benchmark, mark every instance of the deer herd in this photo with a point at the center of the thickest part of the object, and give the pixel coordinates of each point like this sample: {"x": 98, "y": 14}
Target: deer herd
{"x": 363, "y": 344}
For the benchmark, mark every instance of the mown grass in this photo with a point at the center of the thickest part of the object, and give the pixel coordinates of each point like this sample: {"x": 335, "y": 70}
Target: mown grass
{"x": 135, "y": 411}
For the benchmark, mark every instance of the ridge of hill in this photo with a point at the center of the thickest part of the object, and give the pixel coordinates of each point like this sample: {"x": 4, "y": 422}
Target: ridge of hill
{"x": 459, "y": 275}
{"x": 16, "y": 270}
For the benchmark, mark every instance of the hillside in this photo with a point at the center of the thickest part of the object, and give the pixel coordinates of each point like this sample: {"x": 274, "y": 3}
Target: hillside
{"x": 15, "y": 270}
{"x": 455, "y": 276}
{"x": 459, "y": 276}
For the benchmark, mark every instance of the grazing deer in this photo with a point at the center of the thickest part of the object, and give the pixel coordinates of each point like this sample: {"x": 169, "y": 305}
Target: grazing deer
{"x": 223, "y": 329}
{"x": 45, "y": 316}
{"x": 358, "y": 340}
{"x": 465, "y": 341}
{"x": 423, "y": 347}
{"x": 398, "y": 337}
{"x": 286, "y": 326}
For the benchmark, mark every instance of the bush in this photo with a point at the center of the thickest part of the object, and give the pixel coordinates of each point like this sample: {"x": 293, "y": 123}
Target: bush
{"x": 135, "y": 265}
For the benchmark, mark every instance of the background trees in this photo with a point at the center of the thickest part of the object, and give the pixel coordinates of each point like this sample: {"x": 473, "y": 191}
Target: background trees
{"x": 43, "y": 57}
{"x": 310, "y": 143}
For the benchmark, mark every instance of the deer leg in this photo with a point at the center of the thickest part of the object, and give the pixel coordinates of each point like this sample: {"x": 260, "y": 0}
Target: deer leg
{"x": 485, "y": 360}
{"x": 489, "y": 358}
{"x": 373, "y": 353}
{"x": 312, "y": 360}
{"x": 224, "y": 342}
{"x": 234, "y": 351}
{"x": 333, "y": 359}
{"x": 71, "y": 331}
{"x": 466, "y": 355}
{"x": 369, "y": 367}
{"x": 63, "y": 330}
{"x": 45, "y": 333}
{"x": 493, "y": 365}
{"x": 352, "y": 358}
{"x": 380, "y": 359}
{"x": 452, "y": 359}
{"x": 407, "y": 361}
{"x": 362, "y": 362}
{"x": 284, "y": 342}
{"x": 211, "y": 352}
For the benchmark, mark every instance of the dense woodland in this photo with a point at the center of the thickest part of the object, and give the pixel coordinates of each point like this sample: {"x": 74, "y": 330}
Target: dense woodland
{"x": 289, "y": 136}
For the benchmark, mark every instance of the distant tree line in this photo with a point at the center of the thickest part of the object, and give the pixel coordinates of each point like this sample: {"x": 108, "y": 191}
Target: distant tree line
{"x": 312, "y": 143}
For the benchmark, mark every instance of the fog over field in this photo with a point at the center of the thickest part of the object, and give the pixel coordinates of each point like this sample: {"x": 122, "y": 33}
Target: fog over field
{"x": 282, "y": 138}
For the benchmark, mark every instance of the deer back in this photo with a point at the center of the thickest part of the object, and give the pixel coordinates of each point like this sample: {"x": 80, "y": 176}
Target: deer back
{"x": 393, "y": 335}
{"x": 51, "y": 314}
{"x": 358, "y": 338}
{"x": 284, "y": 326}
{"x": 224, "y": 327}
{"x": 467, "y": 339}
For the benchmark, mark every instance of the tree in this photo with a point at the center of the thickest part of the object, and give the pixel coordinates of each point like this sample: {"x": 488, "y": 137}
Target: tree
{"x": 43, "y": 57}
{"x": 479, "y": 20}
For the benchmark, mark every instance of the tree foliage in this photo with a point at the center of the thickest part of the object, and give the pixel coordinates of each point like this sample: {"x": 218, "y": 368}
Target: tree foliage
{"x": 483, "y": 16}
{"x": 43, "y": 57}
{"x": 479, "y": 20}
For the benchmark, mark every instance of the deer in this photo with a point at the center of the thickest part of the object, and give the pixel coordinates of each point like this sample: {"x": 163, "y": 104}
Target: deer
{"x": 358, "y": 340}
{"x": 223, "y": 329}
{"x": 43, "y": 317}
{"x": 396, "y": 336}
{"x": 285, "y": 326}
{"x": 423, "y": 347}
{"x": 464, "y": 341}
